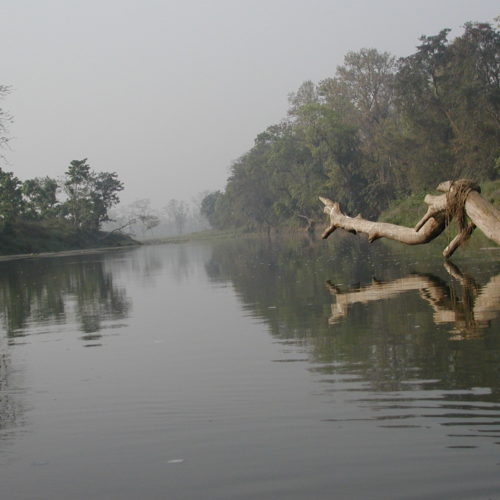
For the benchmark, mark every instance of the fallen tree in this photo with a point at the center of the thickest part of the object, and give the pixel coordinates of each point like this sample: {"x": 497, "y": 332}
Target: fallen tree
{"x": 461, "y": 201}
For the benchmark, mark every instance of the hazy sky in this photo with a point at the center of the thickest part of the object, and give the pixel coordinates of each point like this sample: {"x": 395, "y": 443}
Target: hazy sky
{"x": 169, "y": 93}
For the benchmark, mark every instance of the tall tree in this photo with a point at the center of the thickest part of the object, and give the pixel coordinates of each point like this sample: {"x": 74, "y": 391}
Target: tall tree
{"x": 90, "y": 195}
{"x": 11, "y": 200}
{"x": 368, "y": 77}
{"x": 40, "y": 195}
{"x": 449, "y": 96}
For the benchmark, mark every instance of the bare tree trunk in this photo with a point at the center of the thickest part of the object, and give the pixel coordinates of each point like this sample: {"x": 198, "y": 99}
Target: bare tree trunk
{"x": 461, "y": 199}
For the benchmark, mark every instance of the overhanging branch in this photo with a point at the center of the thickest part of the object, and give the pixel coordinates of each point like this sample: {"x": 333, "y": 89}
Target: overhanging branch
{"x": 460, "y": 201}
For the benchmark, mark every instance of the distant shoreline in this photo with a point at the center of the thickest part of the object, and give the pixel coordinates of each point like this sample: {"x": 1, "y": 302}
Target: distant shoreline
{"x": 65, "y": 253}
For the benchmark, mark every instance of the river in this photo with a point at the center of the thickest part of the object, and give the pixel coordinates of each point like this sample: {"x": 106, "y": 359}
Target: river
{"x": 251, "y": 369}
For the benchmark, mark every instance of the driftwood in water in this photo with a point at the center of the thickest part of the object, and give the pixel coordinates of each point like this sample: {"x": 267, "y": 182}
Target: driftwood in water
{"x": 461, "y": 201}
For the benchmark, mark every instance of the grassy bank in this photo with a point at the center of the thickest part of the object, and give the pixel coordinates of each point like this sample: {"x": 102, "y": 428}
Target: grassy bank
{"x": 31, "y": 237}
{"x": 410, "y": 210}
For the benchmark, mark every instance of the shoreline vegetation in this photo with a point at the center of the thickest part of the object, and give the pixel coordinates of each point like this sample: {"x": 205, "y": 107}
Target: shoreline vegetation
{"x": 379, "y": 130}
{"x": 63, "y": 253}
{"x": 32, "y": 239}
{"x": 405, "y": 211}
{"x": 28, "y": 239}
{"x": 375, "y": 136}
{"x": 35, "y": 218}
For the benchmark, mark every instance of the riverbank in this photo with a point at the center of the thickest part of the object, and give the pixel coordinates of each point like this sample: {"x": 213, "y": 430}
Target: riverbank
{"x": 65, "y": 253}
{"x": 209, "y": 234}
{"x": 404, "y": 212}
{"x": 28, "y": 239}
{"x": 409, "y": 210}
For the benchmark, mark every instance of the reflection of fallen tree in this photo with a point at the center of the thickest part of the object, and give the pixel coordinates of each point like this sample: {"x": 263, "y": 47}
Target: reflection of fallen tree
{"x": 468, "y": 313}
{"x": 461, "y": 202}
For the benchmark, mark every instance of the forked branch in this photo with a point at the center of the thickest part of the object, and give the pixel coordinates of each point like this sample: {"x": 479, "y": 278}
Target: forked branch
{"x": 461, "y": 201}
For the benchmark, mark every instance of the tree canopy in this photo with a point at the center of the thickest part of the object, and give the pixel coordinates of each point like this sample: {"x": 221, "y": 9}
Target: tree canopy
{"x": 88, "y": 197}
{"x": 377, "y": 130}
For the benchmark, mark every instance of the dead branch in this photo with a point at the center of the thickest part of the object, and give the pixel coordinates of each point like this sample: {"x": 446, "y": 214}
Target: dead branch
{"x": 461, "y": 201}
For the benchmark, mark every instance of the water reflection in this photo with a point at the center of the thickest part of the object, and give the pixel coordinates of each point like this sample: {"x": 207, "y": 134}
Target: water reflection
{"x": 229, "y": 363}
{"x": 10, "y": 408}
{"x": 469, "y": 311}
{"x": 39, "y": 292}
{"x": 380, "y": 347}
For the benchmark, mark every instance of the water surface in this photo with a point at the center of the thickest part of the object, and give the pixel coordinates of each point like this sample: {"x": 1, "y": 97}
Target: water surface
{"x": 251, "y": 369}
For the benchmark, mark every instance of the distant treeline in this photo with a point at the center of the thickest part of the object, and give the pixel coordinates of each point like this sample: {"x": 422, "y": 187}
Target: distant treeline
{"x": 380, "y": 129}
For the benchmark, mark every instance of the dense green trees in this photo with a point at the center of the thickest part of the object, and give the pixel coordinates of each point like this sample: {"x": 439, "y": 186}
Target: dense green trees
{"x": 40, "y": 198}
{"x": 11, "y": 201}
{"x": 379, "y": 129}
{"x": 88, "y": 197}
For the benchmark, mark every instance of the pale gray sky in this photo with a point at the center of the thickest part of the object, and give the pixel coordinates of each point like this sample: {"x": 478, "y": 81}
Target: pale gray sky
{"x": 168, "y": 93}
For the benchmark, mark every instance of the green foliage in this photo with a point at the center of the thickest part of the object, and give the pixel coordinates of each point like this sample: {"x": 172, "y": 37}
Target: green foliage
{"x": 209, "y": 207}
{"x": 54, "y": 235}
{"x": 40, "y": 198}
{"x": 405, "y": 212}
{"x": 449, "y": 98}
{"x": 52, "y": 224}
{"x": 33, "y": 219}
{"x": 409, "y": 210}
{"x": 11, "y": 201}
{"x": 378, "y": 130}
{"x": 90, "y": 195}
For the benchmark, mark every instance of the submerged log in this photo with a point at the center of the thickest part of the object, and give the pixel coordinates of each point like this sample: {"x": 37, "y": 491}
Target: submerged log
{"x": 461, "y": 201}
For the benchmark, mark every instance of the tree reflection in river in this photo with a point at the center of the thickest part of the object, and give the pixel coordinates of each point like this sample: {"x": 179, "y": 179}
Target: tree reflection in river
{"x": 384, "y": 342}
{"x": 10, "y": 408}
{"x": 45, "y": 291}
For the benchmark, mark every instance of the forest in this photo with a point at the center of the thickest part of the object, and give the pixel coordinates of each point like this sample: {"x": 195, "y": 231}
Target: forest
{"x": 379, "y": 130}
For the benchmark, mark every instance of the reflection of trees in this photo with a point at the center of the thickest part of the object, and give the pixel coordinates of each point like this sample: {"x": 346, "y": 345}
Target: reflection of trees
{"x": 8, "y": 407}
{"x": 52, "y": 290}
{"x": 179, "y": 261}
{"x": 277, "y": 279}
{"x": 12, "y": 408}
{"x": 468, "y": 312}
{"x": 385, "y": 342}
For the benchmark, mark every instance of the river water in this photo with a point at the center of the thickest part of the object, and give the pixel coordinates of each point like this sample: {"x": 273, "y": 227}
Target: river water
{"x": 251, "y": 369}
